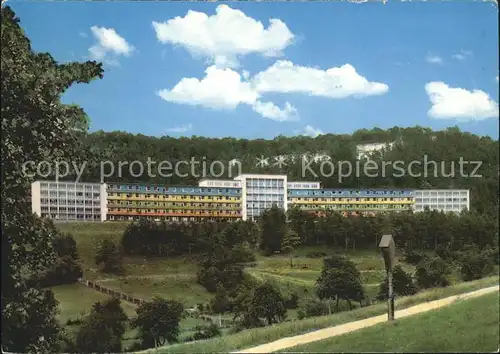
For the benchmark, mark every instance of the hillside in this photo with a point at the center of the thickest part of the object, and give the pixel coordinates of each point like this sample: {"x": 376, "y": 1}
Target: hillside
{"x": 449, "y": 146}
{"x": 255, "y": 336}
{"x": 466, "y": 326}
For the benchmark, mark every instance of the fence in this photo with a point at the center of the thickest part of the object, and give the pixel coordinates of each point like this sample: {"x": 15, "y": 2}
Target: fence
{"x": 122, "y": 296}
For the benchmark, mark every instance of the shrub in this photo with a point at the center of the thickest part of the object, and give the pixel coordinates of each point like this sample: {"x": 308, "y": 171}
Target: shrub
{"x": 432, "y": 273}
{"x": 475, "y": 265}
{"x": 444, "y": 253}
{"x": 413, "y": 257}
{"x": 206, "y": 332}
{"x": 292, "y": 302}
{"x": 402, "y": 284}
{"x": 313, "y": 307}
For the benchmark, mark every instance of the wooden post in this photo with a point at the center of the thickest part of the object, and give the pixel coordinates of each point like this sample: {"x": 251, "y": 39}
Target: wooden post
{"x": 390, "y": 300}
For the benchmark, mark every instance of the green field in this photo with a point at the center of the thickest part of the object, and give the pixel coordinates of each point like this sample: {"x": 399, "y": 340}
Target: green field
{"x": 175, "y": 278}
{"x": 256, "y": 336}
{"x": 466, "y": 326}
{"x": 76, "y": 300}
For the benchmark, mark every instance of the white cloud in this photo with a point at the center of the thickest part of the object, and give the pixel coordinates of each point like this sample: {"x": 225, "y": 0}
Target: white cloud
{"x": 458, "y": 103}
{"x": 83, "y": 34}
{"x": 310, "y": 131}
{"x": 224, "y": 89}
{"x": 497, "y": 78}
{"x": 464, "y": 54}
{"x": 271, "y": 111}
{"x": 219, "y": 89}
{"x": 108, "y": 42}
{"x": 434, "y": 59}
{"x": 337, "y": 82}
{"x": 181, "y": 128}
{"x": 224, "y": 36}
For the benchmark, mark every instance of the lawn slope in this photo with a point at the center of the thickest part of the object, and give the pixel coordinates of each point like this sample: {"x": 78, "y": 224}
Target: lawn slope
{"x": 466, "y": 326}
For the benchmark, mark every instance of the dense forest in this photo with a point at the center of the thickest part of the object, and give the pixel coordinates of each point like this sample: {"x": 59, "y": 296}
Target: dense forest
{"x": 411, "y": 144}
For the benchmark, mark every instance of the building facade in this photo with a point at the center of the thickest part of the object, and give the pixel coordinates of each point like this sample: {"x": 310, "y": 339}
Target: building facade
{"x": 351, "y": 201}
{"x": 261, "y": 192}
{"x": 69, "y": 201}
{"x": 454, "y": 200}
{"x": 175, "y": 203}
{"x": 246, "y": 197}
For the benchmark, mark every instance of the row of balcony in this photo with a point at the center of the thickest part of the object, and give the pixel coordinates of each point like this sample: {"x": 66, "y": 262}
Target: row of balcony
{"x": 354, "y": 202}
{"x": 146, "y": 197}
{"x": 188, "y": 213}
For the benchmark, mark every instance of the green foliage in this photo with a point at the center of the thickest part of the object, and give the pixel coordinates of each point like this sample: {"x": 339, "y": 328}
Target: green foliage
{"x": 222, "y": 262}
{"x": 413, "y": 257}
{"x": 402, "y": 284}
{"x": 110, "y": 257}
{"x": 475, "y": 264}
{"x": 290, "y": 241}
{"x": 67, "y": 269}
{"x": 272, "y": 230}
{"x": 158, "y": 321}
{"x": 313, "y": 307}
{"x": 103, "y": 329}
{"x": 220, "y": 303}
{"x": 432, "y": 273}
{"x": 206, "y": 332}
{"x": 268, "y": 303}
{"x": 293, "y": 301}
{"x": 149, "y": 238}
{"x": 413, "y": 144}
{"x": 35, "y": 127}
{"x": 339, "y": 280}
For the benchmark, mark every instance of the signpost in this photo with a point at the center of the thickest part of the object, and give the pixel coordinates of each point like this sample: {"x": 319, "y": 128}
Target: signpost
{"x": 388, "y": 249}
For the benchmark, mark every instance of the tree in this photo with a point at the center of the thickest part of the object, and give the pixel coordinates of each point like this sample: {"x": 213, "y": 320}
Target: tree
{"x": 268, "y": 303}
{"x": 220, "y": 303}
{"x": 289, "y": 243}
{"x": 339, "y": 280}
{"x": 67, "y": 269}
{"x": 103, "y": 329}
{"x": 402, "y": 283}
{"x": 272, "y": 230}
{"x": 35, "y": 127}
{"x": 432, "y": 273}
{"x": 109, "y": 255}
{"x": 475, "y": 264}
{"x": 158, "y": 321}
{"x": 244, "y": 312}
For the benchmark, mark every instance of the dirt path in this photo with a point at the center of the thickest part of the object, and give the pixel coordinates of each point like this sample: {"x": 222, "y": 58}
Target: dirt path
{"x": 289, "y": 342}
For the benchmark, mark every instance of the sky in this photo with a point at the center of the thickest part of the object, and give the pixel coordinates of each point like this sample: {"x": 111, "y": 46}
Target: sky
{"x": 258, "y": 70}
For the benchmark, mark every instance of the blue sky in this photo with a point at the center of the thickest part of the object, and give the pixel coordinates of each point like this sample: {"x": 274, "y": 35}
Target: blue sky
{"x": 318, "y": 68}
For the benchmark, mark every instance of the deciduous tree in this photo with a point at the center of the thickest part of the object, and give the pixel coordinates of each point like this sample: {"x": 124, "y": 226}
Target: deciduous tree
{"x": 36, "y": 127}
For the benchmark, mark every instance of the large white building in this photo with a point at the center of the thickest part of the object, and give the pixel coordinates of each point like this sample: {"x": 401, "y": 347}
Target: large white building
{"x": 454, "y": 200}
{"x": 260, "y": 192}
{"x": 69, "y": 201}
{"x": 245, "y": 197}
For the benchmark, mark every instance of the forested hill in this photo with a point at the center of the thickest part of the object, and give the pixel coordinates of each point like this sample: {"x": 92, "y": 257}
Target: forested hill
{"x": 412, "y": 144}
